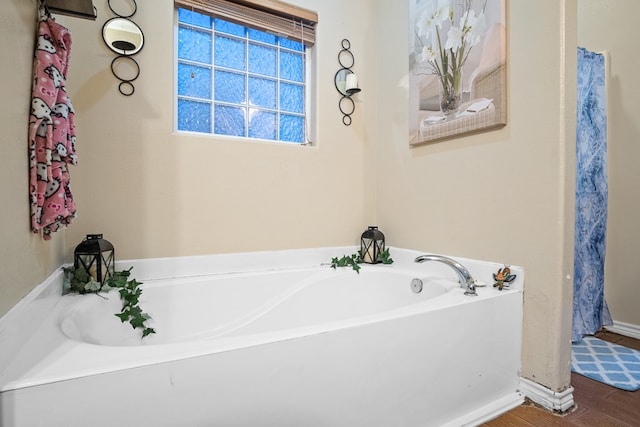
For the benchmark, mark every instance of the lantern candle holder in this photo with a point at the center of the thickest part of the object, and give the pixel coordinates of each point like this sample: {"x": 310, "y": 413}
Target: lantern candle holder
{"x": 96, "y": 256}
{"x": 372, "y": 245}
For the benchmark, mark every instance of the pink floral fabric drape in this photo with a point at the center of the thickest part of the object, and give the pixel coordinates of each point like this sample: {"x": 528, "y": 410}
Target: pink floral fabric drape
{"x": 51, "y": 132}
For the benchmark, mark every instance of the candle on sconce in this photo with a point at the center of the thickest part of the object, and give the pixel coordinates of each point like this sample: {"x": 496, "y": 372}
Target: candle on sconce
{"x": 352, "y": 82}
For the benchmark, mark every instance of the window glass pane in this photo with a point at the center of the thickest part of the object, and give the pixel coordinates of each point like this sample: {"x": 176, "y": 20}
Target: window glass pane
{"x": 228, "y": 27}
{"x": 194, "y": 18}
{"x": 291, "y": 66}
{"x": 262, "y": 92}
{"x": 262, "y": 60}
{"x": 261, "y": 36}
{"x": 229, "y": 53}
{"x": 229, "y": 121}
{"x": 262, "y": 124}
{"x": 291, "y": 128}
{"x": 250, "y": 83}
{"x": 291, "y": 98}
{"x": 194, "y": 81}
{"x": 291, "y": 44}
{"x": 194, "y": 45}
{"x": 229, "y": 87}
{"x": 194, "y": 116}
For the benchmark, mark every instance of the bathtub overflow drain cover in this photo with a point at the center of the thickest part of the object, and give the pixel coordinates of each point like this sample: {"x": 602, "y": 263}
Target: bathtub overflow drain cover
{"x": 416, "y": 285}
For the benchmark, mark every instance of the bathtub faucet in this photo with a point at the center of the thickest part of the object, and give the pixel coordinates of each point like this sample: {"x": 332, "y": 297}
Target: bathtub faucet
{"x": 464, "y": 277}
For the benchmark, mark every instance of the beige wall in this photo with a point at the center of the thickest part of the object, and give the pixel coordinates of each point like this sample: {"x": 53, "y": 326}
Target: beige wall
{"x": 156, "y": 193}
{"x": 25, "y": 259}
{"x": 611, "y": 25}
{"x": 505, "y": 195}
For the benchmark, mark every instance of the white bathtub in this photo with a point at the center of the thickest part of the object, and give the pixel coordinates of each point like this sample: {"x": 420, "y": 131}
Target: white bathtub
{"x": 283, "y": 341}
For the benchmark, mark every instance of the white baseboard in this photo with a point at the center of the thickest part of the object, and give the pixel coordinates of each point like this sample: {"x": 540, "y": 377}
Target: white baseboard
{"x": 552, "y": 400}
{"x": 626, "y": 329}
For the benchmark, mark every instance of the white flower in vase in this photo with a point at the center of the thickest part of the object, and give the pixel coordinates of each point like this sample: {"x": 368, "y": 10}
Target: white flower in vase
{"x": 446, "y": 58}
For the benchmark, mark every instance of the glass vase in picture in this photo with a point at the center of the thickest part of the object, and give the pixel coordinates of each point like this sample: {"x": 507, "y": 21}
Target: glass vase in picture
{"x": 450, "y": 92}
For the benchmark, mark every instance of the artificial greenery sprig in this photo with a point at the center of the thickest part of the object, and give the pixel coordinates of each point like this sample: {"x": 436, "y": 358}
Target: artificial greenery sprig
{"x": 78, "y": 280}
{"x": 385, "y": 257}
{"x": 130, "y": 296}
{"x": 355, "y": 259}
{"x": 345, "y": 261}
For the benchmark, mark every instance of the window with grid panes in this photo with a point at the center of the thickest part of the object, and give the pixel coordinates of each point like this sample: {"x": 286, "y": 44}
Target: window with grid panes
{"x": 238, "y": 81}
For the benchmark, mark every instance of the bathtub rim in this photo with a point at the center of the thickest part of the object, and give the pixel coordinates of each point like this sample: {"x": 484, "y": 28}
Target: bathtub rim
{"x": 14, "y": 368}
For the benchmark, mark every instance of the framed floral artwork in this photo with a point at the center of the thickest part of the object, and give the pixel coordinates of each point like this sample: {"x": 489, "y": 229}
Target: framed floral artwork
{"x": 457, "y": 68}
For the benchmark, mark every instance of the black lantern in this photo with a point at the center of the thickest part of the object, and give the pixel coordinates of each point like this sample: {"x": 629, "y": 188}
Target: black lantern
{"x": 96, "y": 256}
{"x": 371, "y": 245}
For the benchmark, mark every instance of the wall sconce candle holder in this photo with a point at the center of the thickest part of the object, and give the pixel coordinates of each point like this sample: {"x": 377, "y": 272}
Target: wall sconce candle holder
{"x": 124, "y": 37}
{"x": 346, "y": 82}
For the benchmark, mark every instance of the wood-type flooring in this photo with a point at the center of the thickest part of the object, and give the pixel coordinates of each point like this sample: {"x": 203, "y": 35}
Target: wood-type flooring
{"x": 597, "y": 404}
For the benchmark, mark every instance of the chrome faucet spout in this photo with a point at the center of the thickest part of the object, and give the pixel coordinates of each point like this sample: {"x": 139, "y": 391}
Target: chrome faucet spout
{"x": 464, "y": 277}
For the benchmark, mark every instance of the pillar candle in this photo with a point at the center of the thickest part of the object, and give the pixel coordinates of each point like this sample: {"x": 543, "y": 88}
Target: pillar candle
{"x": 352, "y": 81}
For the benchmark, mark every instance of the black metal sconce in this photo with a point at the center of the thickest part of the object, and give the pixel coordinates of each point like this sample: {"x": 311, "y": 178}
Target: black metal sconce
{"x": 125, "y": 38}
{"x": 346, "y": 82}
{"x": 96, "y": 256}
{"x": 371, "y": 245}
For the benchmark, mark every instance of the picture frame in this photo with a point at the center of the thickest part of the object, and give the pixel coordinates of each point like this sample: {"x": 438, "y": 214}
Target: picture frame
{"x": 457, "y": 68}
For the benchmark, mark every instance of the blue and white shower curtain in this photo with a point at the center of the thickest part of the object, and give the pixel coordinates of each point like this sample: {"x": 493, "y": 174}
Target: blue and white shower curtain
{"x": 590, "y": 311}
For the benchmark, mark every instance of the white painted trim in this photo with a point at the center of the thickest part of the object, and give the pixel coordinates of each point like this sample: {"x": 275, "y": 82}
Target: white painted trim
{"x": 489, "y": 412}
{"x": 626, "y": 329}
{"x": 556, "y": 401}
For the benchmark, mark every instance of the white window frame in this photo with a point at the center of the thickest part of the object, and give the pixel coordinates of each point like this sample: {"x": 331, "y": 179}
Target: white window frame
{"x": 310, "y": 84}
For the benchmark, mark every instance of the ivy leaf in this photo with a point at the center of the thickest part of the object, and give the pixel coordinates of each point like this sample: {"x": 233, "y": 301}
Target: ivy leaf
{"x": 148, "y": 331}
{"x": 137, "y": 318}
{"x": 119, "y": 278}
{"x": 137, "y": 322}
{"x": 92, "y": 285}
{"x": 135, "y": 311}
{"x": 124, "y": 316}
{"x": 135, "y": 283}
{"x": 132, "y": 299}
{"x": 81, "y": 275}
{"x": 385, "y": 257}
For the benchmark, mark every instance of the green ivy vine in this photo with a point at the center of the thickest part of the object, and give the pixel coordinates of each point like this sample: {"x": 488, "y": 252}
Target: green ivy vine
{"x": 354, "y": 260}
{"x": 345, "y": 261}
{"x": 79, "y": 281}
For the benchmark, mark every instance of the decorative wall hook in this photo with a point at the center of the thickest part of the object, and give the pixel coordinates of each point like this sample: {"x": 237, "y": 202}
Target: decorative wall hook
{"x": 346, "y": 82}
